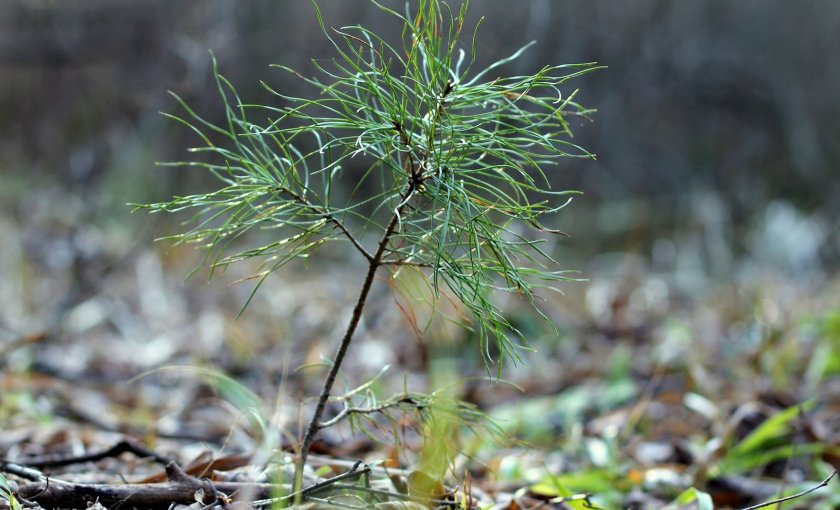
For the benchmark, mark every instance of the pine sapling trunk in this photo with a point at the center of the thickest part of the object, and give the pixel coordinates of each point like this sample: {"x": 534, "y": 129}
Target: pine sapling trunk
{"x": 315, "y": 421}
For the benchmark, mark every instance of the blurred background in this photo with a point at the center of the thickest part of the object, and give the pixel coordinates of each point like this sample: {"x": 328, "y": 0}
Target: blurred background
{"x": 714, "y": 119}
{"x": 717, "y": 135}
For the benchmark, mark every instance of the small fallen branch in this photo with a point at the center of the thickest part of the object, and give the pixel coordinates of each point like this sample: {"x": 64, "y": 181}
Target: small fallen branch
{"x": 124, "y": 446}
{"x": 179, "y": 488}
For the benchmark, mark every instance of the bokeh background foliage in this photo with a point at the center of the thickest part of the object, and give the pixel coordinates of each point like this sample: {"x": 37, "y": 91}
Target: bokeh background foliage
{"x": 709, "y": 111}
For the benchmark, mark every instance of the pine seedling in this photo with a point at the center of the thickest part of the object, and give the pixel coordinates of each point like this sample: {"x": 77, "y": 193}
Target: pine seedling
{"x": 446, "y": 165}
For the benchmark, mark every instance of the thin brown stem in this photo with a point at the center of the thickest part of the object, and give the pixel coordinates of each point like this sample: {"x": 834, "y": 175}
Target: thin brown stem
{"x": 315, "y": 421}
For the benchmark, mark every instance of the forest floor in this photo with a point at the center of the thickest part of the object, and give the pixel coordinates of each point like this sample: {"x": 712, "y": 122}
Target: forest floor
{"x": 660, "y": 387}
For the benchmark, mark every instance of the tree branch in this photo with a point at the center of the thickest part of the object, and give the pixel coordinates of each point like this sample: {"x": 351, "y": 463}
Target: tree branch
{"x": 329, "y": 217}
{"x": 388, "y": 404}
{"x": 822, "y": 484}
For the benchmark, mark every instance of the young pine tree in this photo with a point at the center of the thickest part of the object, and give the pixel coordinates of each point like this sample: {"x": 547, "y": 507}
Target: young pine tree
{"x": 452, "y": 183}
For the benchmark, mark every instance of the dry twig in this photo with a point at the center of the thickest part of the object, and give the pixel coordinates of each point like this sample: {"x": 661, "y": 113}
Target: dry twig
{"x": 822, "y": 484}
